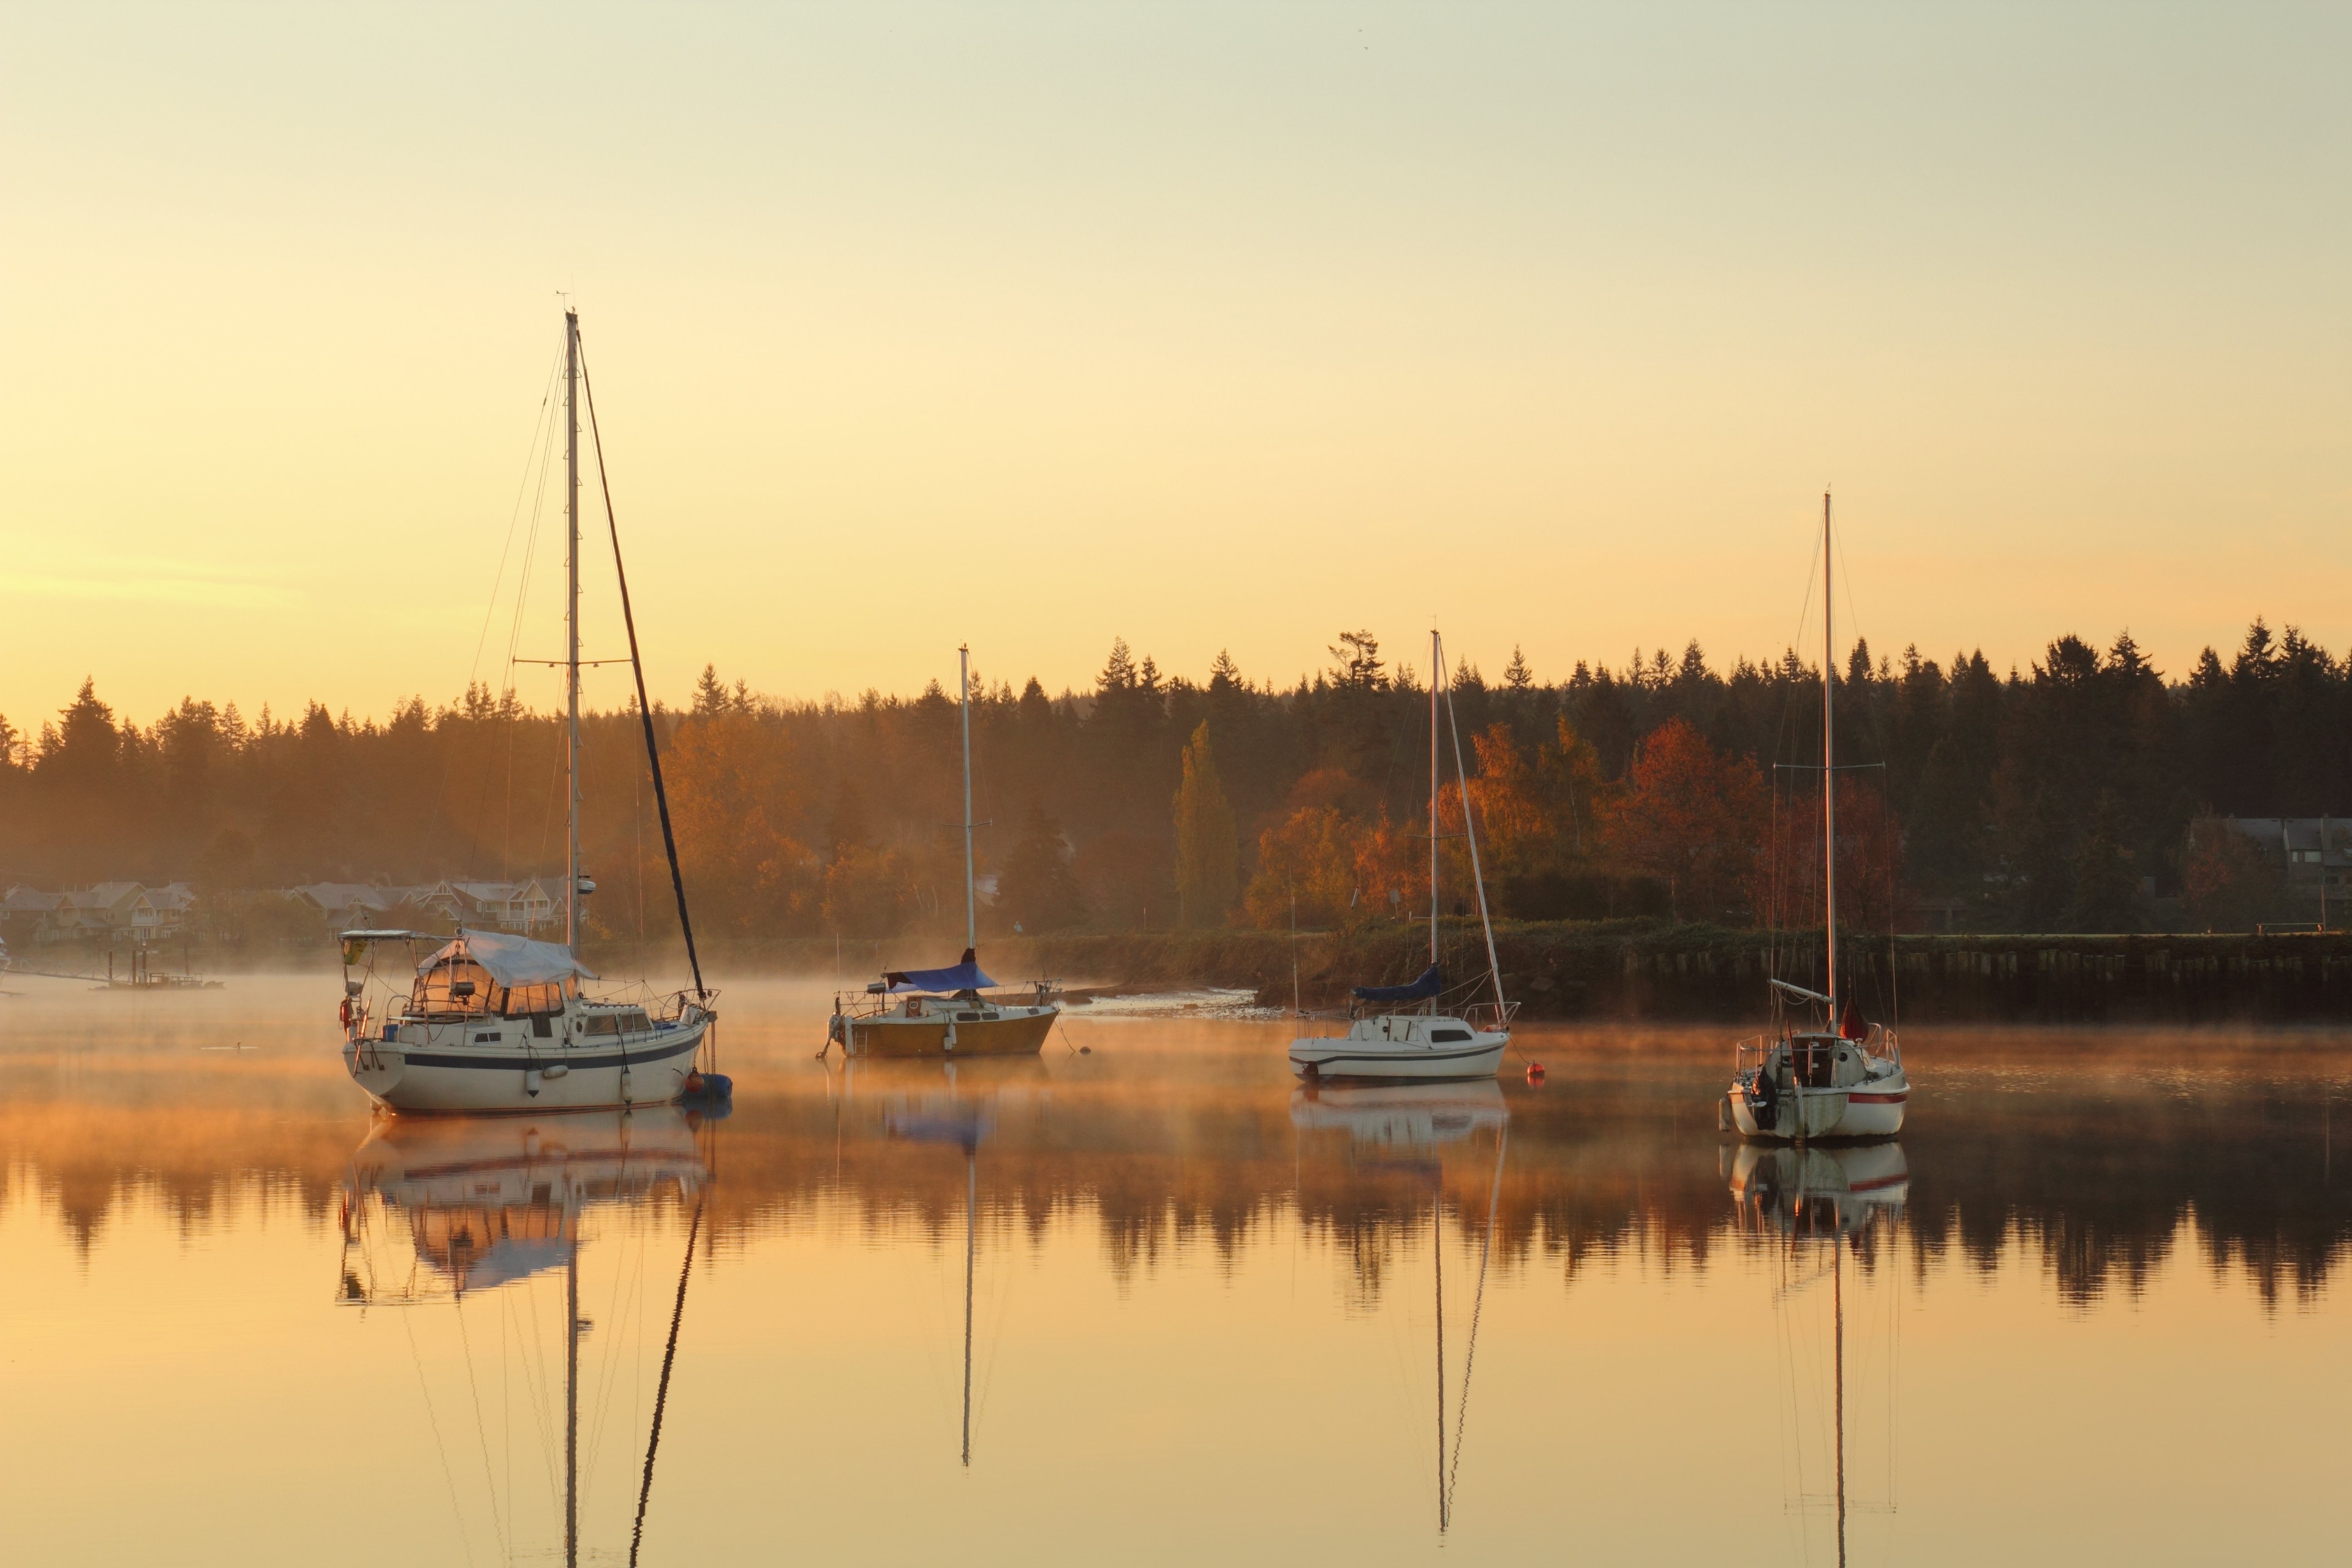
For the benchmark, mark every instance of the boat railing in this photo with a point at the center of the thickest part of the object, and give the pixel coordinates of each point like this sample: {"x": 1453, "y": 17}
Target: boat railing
{"x": 870, "y": 1002}
{"x": 1749, "y": 1053}
{"x": 1490, "y": 1017}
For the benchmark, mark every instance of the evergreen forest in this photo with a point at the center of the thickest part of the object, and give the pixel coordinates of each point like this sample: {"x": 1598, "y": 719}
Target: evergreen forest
{"x": 2075, "y": 793}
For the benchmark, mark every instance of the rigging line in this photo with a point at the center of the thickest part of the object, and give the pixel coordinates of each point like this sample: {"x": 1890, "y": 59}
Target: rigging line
{"x": 637, "y": 665}
{"x": 1477, "y": 1308}
{"x": 625, "y": 1328}
{"x": 536, "y": 1384}
{"x": 464, "y": 1539}
{"x": 507, "y": 712}
{"x": 481, "y": 1434}
{"x": 545, "y": 423}
{"x": 661, "y": 1393}
{"x": 1470, "y": 832}
{"x": 490, "y": 605}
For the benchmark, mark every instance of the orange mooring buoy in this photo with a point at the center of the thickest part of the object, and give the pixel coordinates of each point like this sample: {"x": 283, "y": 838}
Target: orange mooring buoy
{"x": 1535, "y": 1072}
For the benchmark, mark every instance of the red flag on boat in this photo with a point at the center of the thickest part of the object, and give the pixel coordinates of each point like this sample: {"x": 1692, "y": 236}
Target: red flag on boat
{"x": 1852, "y": 1028}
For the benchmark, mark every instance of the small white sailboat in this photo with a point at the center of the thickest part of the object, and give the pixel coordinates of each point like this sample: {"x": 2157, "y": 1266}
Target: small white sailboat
{"x": 945, "y": 1012}
{"x": 1834, "y": 1074}
{"x": 1385, "y": 1040}
{"x": 492, "y": 1021}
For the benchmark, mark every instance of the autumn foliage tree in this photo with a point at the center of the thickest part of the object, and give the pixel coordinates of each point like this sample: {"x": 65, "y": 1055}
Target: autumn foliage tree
{"x": 1692, "y": 817}
{"x": 1785, "y": 888}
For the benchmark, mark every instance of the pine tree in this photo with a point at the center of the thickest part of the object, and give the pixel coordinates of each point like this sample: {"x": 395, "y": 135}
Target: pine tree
{"x": 1516, "y": 674}
{"x": 2106, "y": 892}
{"x": 1038, "y": 888}
{"x": 1208, "y": 848}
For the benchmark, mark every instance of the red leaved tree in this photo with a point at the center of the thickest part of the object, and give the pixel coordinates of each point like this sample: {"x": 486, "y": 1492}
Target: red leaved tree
{"x": 1692, "y": 817}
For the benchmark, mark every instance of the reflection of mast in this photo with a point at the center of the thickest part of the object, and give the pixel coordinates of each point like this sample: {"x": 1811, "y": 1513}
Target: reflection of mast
{"x": 1837, "y": 1294}
{"x": 1437, "y": 1246}
{"x": 570, "y": 1386}
{"x": 1449, "y": 1468}
{"x": 661, "y": 1393}
{"x": 971, "y": 1232}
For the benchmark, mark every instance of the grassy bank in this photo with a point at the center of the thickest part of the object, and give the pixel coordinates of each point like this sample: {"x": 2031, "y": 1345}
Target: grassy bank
{"x": 1563, "y": 969}
{"x": 1639, "y": 968}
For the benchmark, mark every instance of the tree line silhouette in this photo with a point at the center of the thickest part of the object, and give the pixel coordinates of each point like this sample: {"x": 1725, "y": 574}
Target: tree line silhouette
{"x": 2055, "y": 797}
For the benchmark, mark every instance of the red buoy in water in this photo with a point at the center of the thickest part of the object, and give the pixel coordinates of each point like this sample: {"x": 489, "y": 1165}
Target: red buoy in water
{"x": 1535, "y": 1072}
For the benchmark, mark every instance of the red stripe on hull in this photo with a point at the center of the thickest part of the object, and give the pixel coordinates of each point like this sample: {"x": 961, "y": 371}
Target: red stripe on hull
{"x": 1877, "y": 1098}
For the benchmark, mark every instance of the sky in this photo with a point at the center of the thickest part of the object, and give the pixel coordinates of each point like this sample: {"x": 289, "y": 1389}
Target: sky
{"x": 1211, "y": 327}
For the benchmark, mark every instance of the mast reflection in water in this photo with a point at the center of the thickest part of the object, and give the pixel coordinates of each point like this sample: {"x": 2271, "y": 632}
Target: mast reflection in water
{"x": 1170, "y": 1310}
{"x": 438, "y": 1210}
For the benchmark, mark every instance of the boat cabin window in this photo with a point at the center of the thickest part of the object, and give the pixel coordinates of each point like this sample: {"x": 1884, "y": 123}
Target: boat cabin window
{"x": 631, "y": 1023}
{"x": 524, "y": 1000}
{"x": 1448, "y": 1036}
{"x": 452, "y": 991}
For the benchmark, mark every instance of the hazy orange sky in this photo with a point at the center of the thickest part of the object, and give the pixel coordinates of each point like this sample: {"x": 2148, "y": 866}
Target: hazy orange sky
{"x": 1209, "y": 326}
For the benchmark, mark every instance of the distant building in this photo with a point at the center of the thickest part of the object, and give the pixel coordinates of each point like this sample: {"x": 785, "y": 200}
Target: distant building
{"x": 2316, "y": 852}
{"x": 110, "y": 912}
{"x": 345, "y": 905}
{"x": 527, "y": 907}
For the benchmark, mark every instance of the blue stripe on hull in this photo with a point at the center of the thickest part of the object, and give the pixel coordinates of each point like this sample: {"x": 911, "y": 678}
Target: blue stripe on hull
{"x": 657, "y": 1052}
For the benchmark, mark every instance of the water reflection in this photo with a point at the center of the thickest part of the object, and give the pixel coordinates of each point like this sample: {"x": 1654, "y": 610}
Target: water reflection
{"x": 1817, "y": 1204}
{"x": 439, "y": 1208}
{"x": 1009, "y": 1312}
{"x": 1406, "y": 1128}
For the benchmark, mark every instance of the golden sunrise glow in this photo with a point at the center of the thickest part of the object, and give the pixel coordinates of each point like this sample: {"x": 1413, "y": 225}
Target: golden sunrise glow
{"x": 1211, "y": 329}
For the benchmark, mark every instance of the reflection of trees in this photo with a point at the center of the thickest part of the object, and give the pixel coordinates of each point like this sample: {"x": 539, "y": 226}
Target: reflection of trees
{"x": 2095, "y": 1177}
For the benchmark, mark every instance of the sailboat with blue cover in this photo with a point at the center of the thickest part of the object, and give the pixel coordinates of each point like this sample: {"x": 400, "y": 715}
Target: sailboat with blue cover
{"x": 1412, "y": 1031}
{"x": 946, "y": 1011}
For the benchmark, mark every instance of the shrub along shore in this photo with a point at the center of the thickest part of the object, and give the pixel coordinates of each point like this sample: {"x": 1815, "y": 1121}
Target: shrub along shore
{"x": 1564, "y": 970}
{"x": 1660, "y": 970}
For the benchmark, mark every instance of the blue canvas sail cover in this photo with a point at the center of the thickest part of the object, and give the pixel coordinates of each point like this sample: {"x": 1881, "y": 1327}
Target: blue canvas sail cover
{"x": 962, "y": 975}
{"x": 1432, "y": 981}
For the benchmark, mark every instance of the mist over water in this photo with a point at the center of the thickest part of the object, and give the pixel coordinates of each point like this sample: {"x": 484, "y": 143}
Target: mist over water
{"x": 2097, "y": 1312}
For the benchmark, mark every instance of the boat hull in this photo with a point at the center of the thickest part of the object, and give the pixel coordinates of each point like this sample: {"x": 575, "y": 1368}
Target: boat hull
{"x": 1017, "y": 1035}
{"x": 1870, "y": 1109}
{"x": 457, "y": 1077}
{"x": 1347, "y": 1057}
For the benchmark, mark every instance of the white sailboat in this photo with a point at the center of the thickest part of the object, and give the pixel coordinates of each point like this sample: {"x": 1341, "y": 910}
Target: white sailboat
{"x": 945, "y": 1012}
{"x": 1385, "y": 1040}
{"x": 491, "y": 1021}
{"x": 1835, "y": 1075}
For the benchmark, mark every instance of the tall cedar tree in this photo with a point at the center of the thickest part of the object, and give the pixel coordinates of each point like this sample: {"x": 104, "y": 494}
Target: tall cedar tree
{"x": 1208, "y": 849}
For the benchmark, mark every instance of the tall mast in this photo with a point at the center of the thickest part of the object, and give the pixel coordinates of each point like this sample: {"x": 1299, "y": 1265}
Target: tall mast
{"x": 1436, "y": 674}
{"x": 571, "y": 628}
{"x": 971, "y": 904}
{"x": 1829, "y": 764}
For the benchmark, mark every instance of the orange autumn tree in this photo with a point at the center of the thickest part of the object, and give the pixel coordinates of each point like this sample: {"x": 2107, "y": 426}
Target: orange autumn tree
{"x": 1785, "y": 890}
{"x": 733, "y": 789}
{"x": 1344, "y": 866}
{"x": 1692, "y": 817}
{"x": 1538, "y": 809}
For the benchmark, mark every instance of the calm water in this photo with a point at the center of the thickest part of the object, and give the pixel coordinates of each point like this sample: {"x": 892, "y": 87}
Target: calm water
{"x": 2095, "y": 1311}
